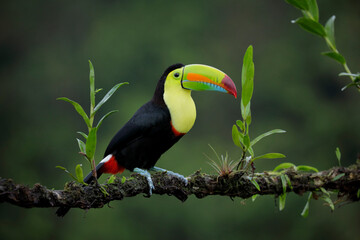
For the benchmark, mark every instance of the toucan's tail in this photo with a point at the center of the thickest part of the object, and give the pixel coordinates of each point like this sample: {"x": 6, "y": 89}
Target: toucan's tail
{"x": 107, "y": 165}
{"x": 62, "y": 211}
{"x": 90, "y": 177}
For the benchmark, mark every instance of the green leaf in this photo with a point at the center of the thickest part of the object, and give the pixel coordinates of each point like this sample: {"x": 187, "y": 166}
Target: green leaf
{"x": 338, "y": 155}
{"x": 103, "y": 118}
{"x": 313, "y": 9}
{"x": 104, "y": 192}
{"x": 65, "y": 170}
{"x": 79, "y": 174}
{"x": 78, "y": 108}
{"x": 288, "y": 181}
{"x": 108, "y": 95}
{"x": 83, "y": 134}
{"x": 240, "y": 125}
{"x": 91, "y": 144}
{"x": 310, "y": 26}
{"x": 248, "y": 118}
{"x": 282, "y": 200}
{"x": 214, "y": 151}
{"x": 330, "y": 31}
{"x": 269, "y": 156}
{"x": 282, "y": 166}
{"x": 254, "y": 197}
{"x": 329, "y": 202}
{"x": 247, "y": 141}
{"x": 123, "y": 179}
{"x": 253, "y": 181}
{"x": 348, "y": 85}
{"x": 336, "y": 56}
{"x": 111, "y": 179}
{"x": 62, "y": 168}
{"x": 338, "y": 177}
{"x": 327, "y": 199}
{"x": 300, "y": 4}
{"x": 283, "y": 182}
{"x": 305, "y": 168}
{"x": 251, "y": 151}
{"x": 92, "y": 85}
{"x": 237, "y": 139}
{"x": 247, "y": 76}
{"x": 82, "y": 145}
{"x": 305, "y": 211}
{"x": 358, "y": 193}
{"x": 258, "y": 138}
{"x": 324, "y": 191}
{"x": 355, "y": 75}
{"x": 245, "y": 111}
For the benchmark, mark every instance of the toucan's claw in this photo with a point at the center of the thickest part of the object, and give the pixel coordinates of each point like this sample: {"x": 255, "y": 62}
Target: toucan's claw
{"x": 179, "y": 176}
{"x": 147, "y": 175}
{"x": 171, "y": 173}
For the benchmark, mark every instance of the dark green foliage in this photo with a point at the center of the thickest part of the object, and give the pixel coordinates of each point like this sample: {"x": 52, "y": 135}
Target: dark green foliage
{"x": 310, "y": 22}
{"x": 311, "y": 26}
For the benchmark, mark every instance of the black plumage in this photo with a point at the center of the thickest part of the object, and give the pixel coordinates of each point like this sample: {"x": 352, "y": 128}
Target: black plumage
{"x": 148, "y": 134}
{"x": 143, "y": 139}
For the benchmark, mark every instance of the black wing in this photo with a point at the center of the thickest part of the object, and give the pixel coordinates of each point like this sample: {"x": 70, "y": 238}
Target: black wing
{"x": 148, "y": 117}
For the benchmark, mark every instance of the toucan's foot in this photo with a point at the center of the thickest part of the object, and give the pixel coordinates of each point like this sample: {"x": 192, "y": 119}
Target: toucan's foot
{"x": 177, "y": 175}
{"x": 147, "y": 175}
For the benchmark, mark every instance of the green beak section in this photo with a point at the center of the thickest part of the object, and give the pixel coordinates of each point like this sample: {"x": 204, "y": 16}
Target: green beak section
{"x": 200, "y": 77}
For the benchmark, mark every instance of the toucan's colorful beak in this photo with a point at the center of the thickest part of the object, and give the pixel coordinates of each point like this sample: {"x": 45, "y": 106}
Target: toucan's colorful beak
{"x": 200, "y": 77}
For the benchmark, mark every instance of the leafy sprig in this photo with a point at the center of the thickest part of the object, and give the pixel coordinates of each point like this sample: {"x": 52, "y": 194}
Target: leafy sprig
{"x": 79, "y": 173}
{"x": 324, "y": 195}
{"x": 240, "y": 130}
{"x": 310, "y": 22}
{"x": 87, "y": 148}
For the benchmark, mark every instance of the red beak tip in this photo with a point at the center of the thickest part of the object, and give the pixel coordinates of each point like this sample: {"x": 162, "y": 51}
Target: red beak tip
{"x": 234, "y": 94}
{"x": 228, "y": 82}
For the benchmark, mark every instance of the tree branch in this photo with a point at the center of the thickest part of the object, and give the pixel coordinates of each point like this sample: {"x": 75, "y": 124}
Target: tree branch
{"x": 344, "y": 180}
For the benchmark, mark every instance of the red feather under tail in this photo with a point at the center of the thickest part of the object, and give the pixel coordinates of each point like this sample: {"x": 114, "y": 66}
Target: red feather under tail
{"x": 111, "y": 166}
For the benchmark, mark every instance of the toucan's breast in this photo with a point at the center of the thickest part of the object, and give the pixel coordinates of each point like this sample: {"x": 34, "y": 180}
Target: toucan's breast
{"x": 181, "y": 107}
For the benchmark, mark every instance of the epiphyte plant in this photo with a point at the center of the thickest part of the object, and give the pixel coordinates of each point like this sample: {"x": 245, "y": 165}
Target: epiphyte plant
{"x": 87, "y": 148}
{"x": 240, "y": 130}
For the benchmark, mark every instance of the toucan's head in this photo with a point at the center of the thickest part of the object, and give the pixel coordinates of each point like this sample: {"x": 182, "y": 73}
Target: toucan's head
{"x": 174, "y": 91}
{"x": 198, "y": 77}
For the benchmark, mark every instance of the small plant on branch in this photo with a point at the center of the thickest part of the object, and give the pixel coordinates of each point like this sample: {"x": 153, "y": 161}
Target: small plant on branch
{"x": 241, "y": 133}
{"x": 225, "y": 166}
{"x": 240, "y": 130}
{"x": 87, "y": 148}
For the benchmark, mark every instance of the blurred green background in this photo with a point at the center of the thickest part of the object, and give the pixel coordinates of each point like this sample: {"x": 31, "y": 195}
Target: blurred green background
{"x": 44, "y": 52}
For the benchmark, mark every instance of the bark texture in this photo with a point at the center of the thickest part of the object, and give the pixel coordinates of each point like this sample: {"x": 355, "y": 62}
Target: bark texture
{"x": 344, "y": 180}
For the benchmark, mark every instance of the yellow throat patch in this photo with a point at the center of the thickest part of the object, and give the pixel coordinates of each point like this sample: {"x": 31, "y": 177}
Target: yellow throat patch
{"x": 179, "y": 102}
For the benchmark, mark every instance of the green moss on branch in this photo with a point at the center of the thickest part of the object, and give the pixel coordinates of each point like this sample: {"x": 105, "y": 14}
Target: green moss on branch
{"x": 344, "y": 180}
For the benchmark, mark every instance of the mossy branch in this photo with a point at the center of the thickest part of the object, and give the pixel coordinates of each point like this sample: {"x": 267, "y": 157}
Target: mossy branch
{"x": 344, "y": 180}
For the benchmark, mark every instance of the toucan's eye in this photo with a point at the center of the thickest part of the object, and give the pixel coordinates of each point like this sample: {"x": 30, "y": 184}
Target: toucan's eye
{"x": 176, "y": 75}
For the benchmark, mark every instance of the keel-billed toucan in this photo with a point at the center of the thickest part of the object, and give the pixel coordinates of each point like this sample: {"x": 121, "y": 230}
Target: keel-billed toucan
{"x": 161, "y": 122}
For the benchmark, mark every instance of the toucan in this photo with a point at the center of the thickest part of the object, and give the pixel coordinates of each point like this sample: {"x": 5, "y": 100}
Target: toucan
{"x": 160, "y": 123}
